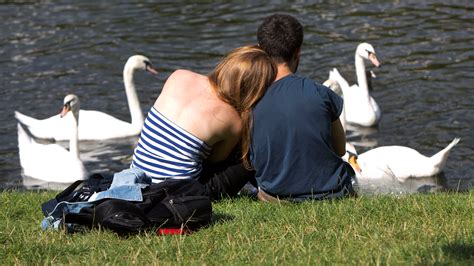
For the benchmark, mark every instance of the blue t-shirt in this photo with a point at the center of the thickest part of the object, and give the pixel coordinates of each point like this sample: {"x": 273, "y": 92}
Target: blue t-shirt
{"x": 291, "y": 149}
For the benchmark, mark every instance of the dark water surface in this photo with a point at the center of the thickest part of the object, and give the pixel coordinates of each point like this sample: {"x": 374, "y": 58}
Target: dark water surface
{"x": 425, "y": 87}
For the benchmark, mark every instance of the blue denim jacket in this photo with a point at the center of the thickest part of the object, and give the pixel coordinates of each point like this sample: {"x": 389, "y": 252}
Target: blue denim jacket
{"x": 126, "y": 185}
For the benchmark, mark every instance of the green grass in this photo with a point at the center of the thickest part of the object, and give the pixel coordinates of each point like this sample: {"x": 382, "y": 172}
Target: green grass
{"x": 413, "y": 229}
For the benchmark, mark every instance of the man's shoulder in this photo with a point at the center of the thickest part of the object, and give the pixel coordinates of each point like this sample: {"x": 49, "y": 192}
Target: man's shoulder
{"x": 304, "y": 84}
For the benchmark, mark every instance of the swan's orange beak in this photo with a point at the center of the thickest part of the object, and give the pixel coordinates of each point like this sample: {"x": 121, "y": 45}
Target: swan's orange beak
{"x": 150, "y": 69}
{"x": 374, "y": 60}
{"x": 65, "y": 110}
{"x": 353, "y": 162}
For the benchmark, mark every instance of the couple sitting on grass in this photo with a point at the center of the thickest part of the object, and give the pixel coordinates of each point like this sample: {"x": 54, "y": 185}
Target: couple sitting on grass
{"x": 250, "y": 120}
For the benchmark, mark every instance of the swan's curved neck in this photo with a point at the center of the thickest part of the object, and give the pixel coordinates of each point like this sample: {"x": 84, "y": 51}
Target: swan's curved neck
{"x": 132, "y": 97}
{"x": 360, "y": 72}
{"x": 73, "y": 141}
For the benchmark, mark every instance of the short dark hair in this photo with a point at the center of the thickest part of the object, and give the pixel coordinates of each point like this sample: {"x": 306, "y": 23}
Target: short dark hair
{"x": 280, "y": 36}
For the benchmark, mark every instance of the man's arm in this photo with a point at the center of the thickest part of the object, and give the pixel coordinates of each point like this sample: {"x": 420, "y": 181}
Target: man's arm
{"x": 338, "y": 137}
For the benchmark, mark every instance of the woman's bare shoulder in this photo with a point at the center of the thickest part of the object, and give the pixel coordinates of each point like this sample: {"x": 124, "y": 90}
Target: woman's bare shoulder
{"x": 184, "y": 75}
{"x": 181, "y": 79}
{"x": 227, "y": 118}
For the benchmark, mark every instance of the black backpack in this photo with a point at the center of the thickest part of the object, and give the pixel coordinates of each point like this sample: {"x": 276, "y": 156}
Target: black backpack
{"x": 183, "y": 204}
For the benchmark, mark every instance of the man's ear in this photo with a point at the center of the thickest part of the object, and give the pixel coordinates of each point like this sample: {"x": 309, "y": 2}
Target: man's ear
{"x": 297, "y": 53}
{"x": 295, "y": 61}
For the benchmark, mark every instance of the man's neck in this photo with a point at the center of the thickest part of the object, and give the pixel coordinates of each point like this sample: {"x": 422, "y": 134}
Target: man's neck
{"x": 283, "y": 71}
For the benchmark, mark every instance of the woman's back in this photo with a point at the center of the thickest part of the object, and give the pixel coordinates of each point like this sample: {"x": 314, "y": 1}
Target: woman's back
{"x": 187, "y": 125}
{"x": 201, "y": 118}
{"x": 191, "y": 103}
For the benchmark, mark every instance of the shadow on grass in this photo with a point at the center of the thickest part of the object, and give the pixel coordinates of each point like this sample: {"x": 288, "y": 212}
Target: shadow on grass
{"x": 218, "y": 218}
{"x": 459, "y": 250}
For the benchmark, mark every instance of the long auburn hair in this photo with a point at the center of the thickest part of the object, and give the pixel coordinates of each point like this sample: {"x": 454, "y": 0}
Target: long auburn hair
{"x": 240, "y": 80}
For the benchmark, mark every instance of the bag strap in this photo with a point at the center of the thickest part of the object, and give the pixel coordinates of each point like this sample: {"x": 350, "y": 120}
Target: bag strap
{"x": 62, "y": 195}
{"x": 48, "y": 206}
{"x": 112, "y": 206}
{"x": 120, "y": 215}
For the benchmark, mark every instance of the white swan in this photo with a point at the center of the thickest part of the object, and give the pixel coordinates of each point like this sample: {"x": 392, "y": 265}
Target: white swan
{"x": 95, "y": 125}
{"x": 51, "y": 162}
{"x": 398, "y": 162}
{"x": 361, "y": 108}
{"x": 332, "y": 84}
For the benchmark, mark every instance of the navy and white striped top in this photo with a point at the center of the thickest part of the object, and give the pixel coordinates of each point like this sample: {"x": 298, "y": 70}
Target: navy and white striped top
{"x": 166, "y": 151}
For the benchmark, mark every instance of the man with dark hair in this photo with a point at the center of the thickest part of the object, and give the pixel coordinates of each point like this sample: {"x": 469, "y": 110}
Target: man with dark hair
{"x": 297, "y": 137}
{"x": 274, "y": 38}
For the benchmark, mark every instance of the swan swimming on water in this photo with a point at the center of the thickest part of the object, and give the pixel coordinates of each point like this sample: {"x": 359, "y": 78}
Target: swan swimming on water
{"x": 51, "y": 162}
{"x": 360, "y": 108}
{"x": 96, "y": 125}
{"x": 332, "y": 84}
{"x": 398, "y": 162}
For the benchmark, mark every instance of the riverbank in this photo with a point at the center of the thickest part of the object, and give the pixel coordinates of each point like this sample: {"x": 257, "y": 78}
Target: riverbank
{"x": 414, "y": 229}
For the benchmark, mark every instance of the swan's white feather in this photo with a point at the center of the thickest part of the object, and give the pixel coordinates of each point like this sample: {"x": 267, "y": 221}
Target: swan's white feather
{"x": 360, "y": 108}
{"x": 401, "y": 162}
{"x": 95, "y": 125}
{"x": 49, "y": 162}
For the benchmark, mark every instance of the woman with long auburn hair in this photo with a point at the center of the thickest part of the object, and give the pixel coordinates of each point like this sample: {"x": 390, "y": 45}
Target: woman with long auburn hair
{"x": 198, "y": 121}
{"x": 240, "y": 80}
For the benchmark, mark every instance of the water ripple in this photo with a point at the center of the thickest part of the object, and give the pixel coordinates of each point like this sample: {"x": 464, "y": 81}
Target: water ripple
{"x": 424, "y": 87}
